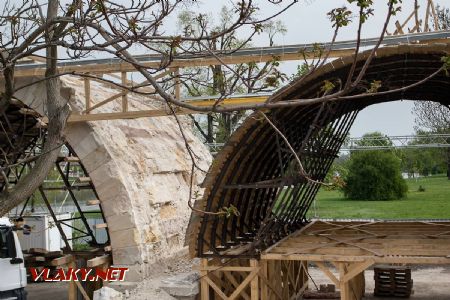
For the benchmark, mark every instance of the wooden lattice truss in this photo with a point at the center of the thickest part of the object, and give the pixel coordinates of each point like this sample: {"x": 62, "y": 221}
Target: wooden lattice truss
{"x": 353, "y": 247}
{"x": 252, "y": 279}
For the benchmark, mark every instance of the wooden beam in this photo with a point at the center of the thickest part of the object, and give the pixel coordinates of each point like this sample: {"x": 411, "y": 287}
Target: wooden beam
{"x": 124, "y": 97}
{"x": 178, "y": 63}
{"x": 37, "y": 251}
{"x": 71, "y": 159}
{"x": 254, "y": 290}
{"x": 64, "y": 260}
{"x": 327, "y": 272}
{"x": 177, "y": 84}
{"x": 99, "y": 260}
{"x": 100, "y": 226}
{"x": 434, "y": 14}
{"x": 344, "y": 285}
{"x": 72, "y": 286}
{"x": 427, "y": 15}
{"x": 75, "y": 118}
{"x": 87, "y": 93}
{"x": 93, "y": 202}
{"x": 84, "y": 179}
{"x": 358, "y": 268}
{"x": 31, "y": 259}
{"x": 204, "y": 286}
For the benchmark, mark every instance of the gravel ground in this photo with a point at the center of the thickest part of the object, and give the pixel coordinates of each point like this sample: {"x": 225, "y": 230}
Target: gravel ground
{"x": 429, "y": 283}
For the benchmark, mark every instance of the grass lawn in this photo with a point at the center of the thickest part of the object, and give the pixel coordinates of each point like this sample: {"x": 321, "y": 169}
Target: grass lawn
{"x": 434, "y": 203}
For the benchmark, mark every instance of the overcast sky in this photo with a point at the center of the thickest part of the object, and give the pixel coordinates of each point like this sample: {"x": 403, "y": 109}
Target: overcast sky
{"x": 307, "y": 22}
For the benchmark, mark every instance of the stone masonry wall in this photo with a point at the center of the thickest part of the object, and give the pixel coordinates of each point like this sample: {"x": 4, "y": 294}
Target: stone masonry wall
{"x": 140, "y": 169}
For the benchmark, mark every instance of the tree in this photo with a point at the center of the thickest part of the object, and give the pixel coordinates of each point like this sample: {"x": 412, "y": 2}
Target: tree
{"x": 435, "y": 118}
{"x": 430, "y": 161}
{"x": 443, "y": 15}
{"x": 57, "y": 31}
{"x": 218, "y": 80}
{"x": 431, "y": 116}
{"x": 374, "y": 174}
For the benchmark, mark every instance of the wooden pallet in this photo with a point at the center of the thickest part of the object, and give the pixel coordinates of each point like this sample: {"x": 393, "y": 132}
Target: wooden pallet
{"x": 392, "y": 281}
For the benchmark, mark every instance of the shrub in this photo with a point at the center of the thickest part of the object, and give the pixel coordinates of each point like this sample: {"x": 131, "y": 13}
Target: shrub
{"x": 374, "y": 175}
{"x": 421, "y": 189}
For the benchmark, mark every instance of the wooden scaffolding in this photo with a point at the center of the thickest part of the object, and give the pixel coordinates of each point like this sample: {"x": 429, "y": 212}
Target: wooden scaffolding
{"x": 342, "y": 250}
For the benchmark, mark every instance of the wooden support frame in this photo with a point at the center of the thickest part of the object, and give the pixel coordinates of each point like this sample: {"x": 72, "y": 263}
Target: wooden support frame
{"x": 353, "y": 247}
{"x": 252, "y": 280}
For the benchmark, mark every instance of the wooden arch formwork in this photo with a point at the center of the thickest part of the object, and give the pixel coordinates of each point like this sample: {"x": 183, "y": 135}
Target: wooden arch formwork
{"x": 254, "y": 173}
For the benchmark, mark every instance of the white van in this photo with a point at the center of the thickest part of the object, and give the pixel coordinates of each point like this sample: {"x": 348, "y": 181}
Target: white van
{"x": 13, "y": 277}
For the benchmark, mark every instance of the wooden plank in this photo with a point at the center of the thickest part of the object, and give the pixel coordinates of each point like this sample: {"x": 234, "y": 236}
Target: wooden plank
{"x": 31, "y": 259}
{"x": 100, "y": 226}
{"x": 177, "y": 84}
{"x": 103, "y": 102}
{"x": 53, "y": 254}
{"x": 327, "y": 272}
{"x": 99, "y": 260}
{"x": 87, "y": 93}
{"x": 204, "y": 287}
{"x": 93, "y": 202}
{"x": 37, "y": 251}
{"x": 226, "y": 268}
{"x": 264, "y": 285}
{"x": 182, "y": 63}
{"x": 357, "y": 269}
{"x": 84, "y": 179}
{"x": 215, "y": 288}
{"x": 415, "y": 260}
{"x": 230, "y": 278}
{"x": 71, "y": 159}
{"x": 123, "y": 76}
{"x": 254, "y": 295}
{"x": 82, "y": 291}
{"x": 61, "y": 260}
{"x": 244, "y": 283}
{"x": 344, "y": 285}
{"x": 72, "y": 286}
{"x": 427, "y": 15}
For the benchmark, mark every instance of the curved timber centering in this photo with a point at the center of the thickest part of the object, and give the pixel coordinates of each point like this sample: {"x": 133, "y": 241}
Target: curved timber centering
{"x": 254, "y": 170}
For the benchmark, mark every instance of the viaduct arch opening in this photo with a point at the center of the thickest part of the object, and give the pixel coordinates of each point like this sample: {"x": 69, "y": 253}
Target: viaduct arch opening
{"x": 255, "y": 165}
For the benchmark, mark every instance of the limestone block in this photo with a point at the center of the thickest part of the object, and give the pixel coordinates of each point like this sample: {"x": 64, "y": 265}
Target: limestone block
{"x": 121, "y": 222}
{"x": 128, "y": 255}
{"x": 97, "y": 158}
{"x": 107, "y": 293}
{"x": 182, "y": 286}
{"x": 135, "y": 272}
{"x": 108, "y": 175}
{"x": 115, "y": 205}
{"x": 89, "y": 143}
{"x": 125, "y": 238}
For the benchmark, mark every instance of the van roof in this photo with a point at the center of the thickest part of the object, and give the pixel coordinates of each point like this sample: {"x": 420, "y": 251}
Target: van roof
{"x": 4, "y": 221}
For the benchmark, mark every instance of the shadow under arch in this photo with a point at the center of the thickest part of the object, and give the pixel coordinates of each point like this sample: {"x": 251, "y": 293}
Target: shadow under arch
{"x": 252, "y": 171}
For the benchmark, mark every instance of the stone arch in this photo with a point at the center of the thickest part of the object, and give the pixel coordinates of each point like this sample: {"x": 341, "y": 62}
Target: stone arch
{"x": 250, "y": 171}
{"x": 140, "y": 170}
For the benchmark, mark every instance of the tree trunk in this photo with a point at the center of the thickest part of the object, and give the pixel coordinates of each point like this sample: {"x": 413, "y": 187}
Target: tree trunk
{"x": 448, "y": 163}
{"x": 57, "y": 111}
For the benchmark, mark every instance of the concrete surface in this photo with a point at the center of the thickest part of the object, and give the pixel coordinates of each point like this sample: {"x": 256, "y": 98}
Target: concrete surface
{"x": 47, "y": 290}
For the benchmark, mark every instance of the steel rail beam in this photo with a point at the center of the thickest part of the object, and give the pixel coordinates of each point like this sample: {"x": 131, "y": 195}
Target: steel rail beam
{"x": 257, "y": 54}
